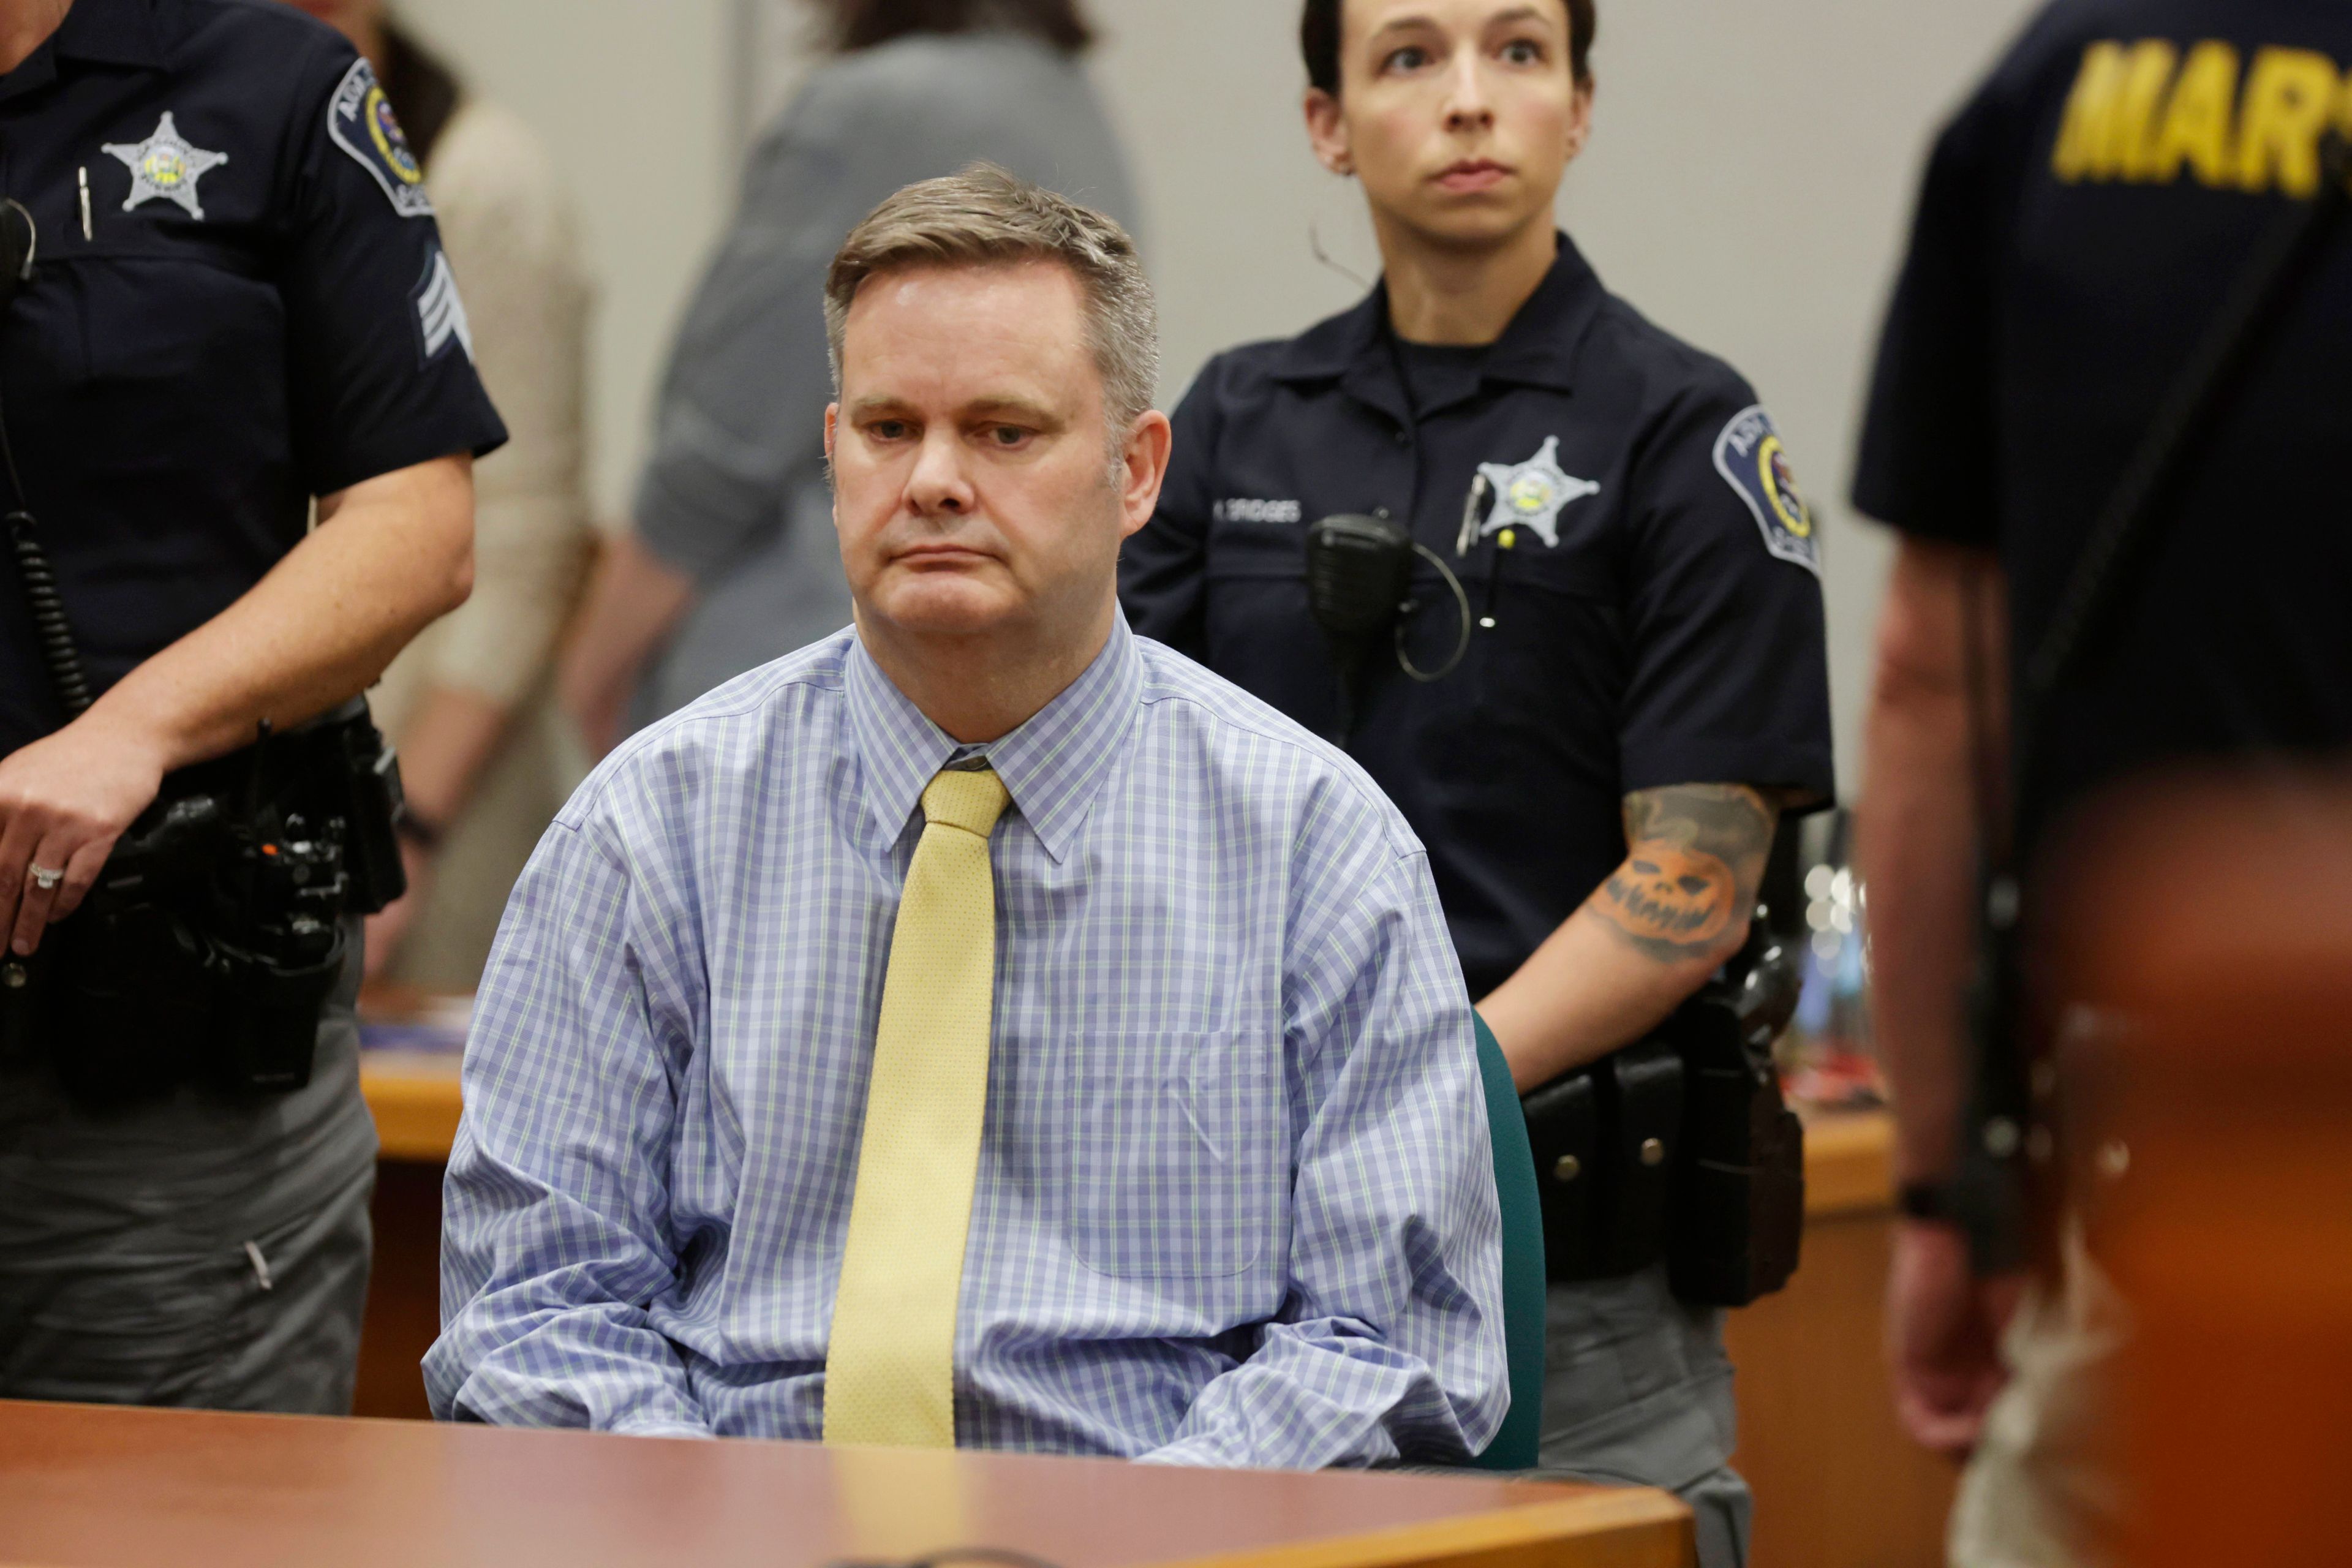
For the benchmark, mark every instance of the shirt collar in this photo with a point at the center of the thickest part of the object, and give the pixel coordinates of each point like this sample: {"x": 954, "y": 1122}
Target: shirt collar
{"x": 1540, "y": 346}
{"x": 1050, "y": 765}
{"x": 110, "y": 32}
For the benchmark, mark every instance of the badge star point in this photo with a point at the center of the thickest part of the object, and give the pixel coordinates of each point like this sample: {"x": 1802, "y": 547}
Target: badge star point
{"x": 166, "y": 166}
{"x": 1532, "y": 494}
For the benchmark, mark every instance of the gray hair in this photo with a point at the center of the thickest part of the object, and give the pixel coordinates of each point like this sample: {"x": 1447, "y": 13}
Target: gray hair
{"x": 985, "y": 217}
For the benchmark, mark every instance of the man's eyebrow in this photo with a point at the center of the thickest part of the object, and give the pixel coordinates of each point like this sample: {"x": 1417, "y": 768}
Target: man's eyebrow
{"x": 868, "y": 407}
{"x": 1011, "y": 408}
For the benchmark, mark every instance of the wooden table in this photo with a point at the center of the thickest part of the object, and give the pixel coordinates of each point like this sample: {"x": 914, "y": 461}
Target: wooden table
{"x": 83, "y": 1487}
{"x": 1837, "y": 1485}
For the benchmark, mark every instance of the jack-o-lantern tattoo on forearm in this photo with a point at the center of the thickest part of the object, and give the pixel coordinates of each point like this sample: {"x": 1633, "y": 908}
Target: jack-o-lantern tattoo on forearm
{"x": 1696, "y": 855}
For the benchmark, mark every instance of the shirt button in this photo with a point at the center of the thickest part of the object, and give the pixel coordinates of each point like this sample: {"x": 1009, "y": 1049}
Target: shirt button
{"x": 1403, "y": 436}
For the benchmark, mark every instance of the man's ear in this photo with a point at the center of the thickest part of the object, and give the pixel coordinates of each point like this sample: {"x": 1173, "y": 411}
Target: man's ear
{"x": 832, "y": 423}
{"x": 1143, "y": 468}
{"x": 1327, "y": 133}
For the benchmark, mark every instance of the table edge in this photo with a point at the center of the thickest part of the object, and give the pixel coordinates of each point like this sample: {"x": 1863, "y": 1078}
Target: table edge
{"x": 1494, "y": 1537}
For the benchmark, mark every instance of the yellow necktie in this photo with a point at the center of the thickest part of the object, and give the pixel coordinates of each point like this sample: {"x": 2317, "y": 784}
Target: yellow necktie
{"x": 890, "y": 1368}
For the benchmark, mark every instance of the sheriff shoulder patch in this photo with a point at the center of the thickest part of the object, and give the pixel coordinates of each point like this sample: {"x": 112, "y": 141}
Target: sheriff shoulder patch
{"x": 1749, "y": 457}
{"x": 360, "y": 118}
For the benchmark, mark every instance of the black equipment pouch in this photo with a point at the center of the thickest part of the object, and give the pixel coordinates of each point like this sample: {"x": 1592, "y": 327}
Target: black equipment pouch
{"x": 216, "y": 934}
{"x": 1739, "y": 1200}
{"x": 1603, "y": 1140}
{"x": 1680, "y": 1146}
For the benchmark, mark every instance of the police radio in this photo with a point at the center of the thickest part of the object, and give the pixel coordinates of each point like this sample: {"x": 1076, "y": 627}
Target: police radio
{"x": 1359, "y": 584}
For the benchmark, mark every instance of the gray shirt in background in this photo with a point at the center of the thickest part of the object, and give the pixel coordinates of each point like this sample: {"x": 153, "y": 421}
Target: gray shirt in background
{"x": 735, "y": 494}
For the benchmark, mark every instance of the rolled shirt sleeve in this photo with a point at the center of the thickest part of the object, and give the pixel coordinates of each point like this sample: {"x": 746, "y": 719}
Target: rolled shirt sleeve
{"x": 1390, "y": 1343}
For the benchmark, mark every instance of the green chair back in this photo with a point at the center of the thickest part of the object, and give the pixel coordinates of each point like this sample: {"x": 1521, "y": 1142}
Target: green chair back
{"x": 1514, "y": 1447}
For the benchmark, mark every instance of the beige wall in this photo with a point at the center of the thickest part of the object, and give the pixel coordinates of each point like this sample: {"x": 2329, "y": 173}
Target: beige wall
{"x": 1748, "y": 187}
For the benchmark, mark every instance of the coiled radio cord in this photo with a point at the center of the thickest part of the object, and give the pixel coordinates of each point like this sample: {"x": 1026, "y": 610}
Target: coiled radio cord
{"x": 18, "y": 242}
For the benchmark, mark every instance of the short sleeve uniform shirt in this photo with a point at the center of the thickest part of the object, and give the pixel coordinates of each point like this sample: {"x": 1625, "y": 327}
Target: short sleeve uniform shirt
{"x": 1642, "y": 573}
{"x": 238, "y": 301}
{"x": 2082, "y": 220}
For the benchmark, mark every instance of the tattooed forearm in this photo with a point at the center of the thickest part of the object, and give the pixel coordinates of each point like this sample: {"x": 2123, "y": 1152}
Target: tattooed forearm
{"x": 1689, "y": 878}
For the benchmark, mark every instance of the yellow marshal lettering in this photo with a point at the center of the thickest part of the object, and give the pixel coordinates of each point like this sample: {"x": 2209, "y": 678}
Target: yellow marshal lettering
{"x": 2198, "y": 122}
{"x": 2146, "y": 112}
{"x": 2091, "y": 143}
{"x": 2291, "y": 95}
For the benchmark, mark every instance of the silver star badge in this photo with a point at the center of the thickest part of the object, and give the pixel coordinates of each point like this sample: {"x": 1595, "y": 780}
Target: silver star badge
{"x": 165, "y": 166}
{"x": 1532, "y": 494}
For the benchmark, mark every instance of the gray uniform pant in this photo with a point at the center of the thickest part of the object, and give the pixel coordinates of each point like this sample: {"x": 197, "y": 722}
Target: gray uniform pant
{"x": 1637, "y": 1389}
{"x": 193, "y": 1250}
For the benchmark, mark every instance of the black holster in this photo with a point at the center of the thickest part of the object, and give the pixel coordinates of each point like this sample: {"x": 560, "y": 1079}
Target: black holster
{"x": 209, "y": 947}
{"x": 1681, "y": 1147}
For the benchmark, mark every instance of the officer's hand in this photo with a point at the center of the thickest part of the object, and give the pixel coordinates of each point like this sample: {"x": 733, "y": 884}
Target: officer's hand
{"x": 64, "y": 801}
{"x": 1943, "y": 1336}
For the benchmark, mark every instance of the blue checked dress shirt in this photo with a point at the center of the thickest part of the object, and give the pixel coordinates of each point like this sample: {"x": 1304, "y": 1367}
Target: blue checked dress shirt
{"x": 1235, "y": 1205}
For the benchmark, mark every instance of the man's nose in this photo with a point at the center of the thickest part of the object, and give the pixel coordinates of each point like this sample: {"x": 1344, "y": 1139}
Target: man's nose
{"x": 940, "y": 486}
{"x": 1467, "y": 104}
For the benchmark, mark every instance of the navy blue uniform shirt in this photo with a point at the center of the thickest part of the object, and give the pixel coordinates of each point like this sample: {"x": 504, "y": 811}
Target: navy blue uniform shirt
{"x": 256, "y": 311}
{"x": 1656, "y": 614}
{"x": 2081, "y": 220}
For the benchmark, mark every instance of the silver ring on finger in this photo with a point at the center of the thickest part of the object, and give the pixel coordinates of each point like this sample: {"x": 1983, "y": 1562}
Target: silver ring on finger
{"x": 45, "y": 878}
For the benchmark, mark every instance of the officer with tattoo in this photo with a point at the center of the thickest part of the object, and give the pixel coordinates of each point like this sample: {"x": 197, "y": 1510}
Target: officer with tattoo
{"x": 1597, "y": 737}
{"x": 2089, "y": 227}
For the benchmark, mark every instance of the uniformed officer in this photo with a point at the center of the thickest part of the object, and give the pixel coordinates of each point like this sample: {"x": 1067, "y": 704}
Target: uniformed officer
{"x": 1645, "y": 690}
{"x": 234, "y": 304}
{"x": 2084, "y": 221}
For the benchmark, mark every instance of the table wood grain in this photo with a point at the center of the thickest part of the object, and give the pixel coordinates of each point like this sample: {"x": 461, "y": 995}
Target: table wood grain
{"x": 86, "y": 1487}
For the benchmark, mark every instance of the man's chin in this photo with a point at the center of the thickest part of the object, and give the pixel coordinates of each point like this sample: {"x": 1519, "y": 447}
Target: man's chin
{"x": 944, "y": 605}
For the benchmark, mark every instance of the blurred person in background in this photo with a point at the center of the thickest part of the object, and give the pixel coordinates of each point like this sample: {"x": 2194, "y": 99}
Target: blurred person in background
{"x": 2082, "y": 220}
{"x": 469, "y": 704}
{"x": 732, "y": 560}
{"x": 1641, "y": 690}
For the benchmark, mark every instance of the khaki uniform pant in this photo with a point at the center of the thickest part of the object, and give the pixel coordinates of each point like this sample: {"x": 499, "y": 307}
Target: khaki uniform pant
{"x": 2041, "y": 1492}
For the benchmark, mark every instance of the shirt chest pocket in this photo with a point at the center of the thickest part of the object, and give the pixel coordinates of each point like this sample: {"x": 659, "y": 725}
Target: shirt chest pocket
{"x": 1175, "y": 1155}
{"x": 175, "y": 327}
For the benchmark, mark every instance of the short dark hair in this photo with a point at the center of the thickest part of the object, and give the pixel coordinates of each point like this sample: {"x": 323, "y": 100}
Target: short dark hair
{"x": 862, "y": 24}
{"x": 1318, "y": 40}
